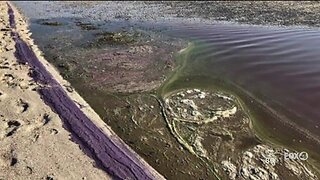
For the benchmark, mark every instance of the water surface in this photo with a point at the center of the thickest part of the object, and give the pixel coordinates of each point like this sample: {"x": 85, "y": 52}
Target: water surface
{"x": 280, "y": 66}
{"x": 274, "y": 70}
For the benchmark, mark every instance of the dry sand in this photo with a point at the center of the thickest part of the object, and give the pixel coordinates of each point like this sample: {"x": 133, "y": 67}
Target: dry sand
{"x": 33, "y": 143}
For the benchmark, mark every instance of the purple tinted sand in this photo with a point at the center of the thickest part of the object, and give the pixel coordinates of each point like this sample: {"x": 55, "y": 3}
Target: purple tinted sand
{"x": 11, "y": 20}
{"x": 110, "y": 155}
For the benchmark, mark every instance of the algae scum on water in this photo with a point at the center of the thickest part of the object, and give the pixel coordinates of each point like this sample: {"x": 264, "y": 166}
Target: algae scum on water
{"x": 172, "y": 107}
{"x": 230, "y": 124}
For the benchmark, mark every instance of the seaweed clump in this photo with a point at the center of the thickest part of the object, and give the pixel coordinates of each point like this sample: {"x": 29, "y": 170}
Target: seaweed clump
{"x": 114, "y": 38}
{"x": 49, "y": 22}
{"x": 55, "y": 23}
{"x": 86, "y": 26}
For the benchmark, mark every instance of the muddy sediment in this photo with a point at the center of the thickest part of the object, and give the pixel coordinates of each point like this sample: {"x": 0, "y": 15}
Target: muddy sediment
{"x": 286, "y": 13}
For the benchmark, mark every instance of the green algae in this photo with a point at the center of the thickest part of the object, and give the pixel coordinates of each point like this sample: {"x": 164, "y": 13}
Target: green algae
{"x": 268, "y": 125}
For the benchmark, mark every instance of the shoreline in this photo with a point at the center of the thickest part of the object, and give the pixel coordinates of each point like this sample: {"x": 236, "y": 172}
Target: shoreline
{"x": 34, "y": 145}
{"x": 105, "y": 131}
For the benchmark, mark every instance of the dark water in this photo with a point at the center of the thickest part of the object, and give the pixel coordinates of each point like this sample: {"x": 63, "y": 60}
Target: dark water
{"x": 281, "y": 66}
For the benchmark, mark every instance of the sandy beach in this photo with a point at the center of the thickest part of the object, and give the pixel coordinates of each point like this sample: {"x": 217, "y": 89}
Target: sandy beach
{"x": 34, "y": 141}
